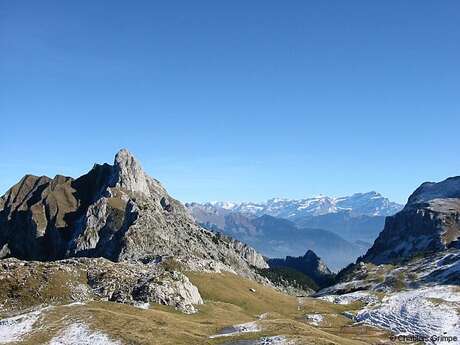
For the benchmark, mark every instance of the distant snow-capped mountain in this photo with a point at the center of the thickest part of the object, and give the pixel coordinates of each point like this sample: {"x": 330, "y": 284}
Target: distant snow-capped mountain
{"x": 359, "y": 204}
{"x": 356, "y": 219}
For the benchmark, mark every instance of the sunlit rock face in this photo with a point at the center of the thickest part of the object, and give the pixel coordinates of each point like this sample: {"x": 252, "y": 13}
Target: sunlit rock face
{"x": 430, "y": 222}
{"x": 114, "y": 211}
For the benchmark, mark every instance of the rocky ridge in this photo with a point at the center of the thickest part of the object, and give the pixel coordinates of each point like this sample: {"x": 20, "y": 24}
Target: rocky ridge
{"x": 429, "y": 223}
{"x": 309, "y": 264}
{"x": 114, "y": 211}
{"x": 84, "y": 279}
{"x": 418, "y": 248}
{"x": 409, "y": 281}
{"x": 116, "y": 228}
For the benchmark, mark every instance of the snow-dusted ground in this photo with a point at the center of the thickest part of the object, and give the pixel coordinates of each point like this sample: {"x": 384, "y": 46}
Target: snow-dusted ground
{"x": 80, "y": 334}
{"x": 142, "y": 305}
{"x": 238, "y": 329}
{"x": 314, "y": 319}
{"x": 14, "y": 328}
{"x": 361, "y": 296}
{"x": 422, "y": 312}
{"x": 437, "y": 269}
{"x": 440, "y": 269}
{"x": 354, "y": 285}
{"x": 275, "y": 340}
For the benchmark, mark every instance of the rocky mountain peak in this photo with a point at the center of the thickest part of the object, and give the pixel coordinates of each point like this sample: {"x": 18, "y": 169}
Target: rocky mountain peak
{"x": 310, "y": 264}
{"x": 114, "y": 211}
{"x": 128, "y": 173}
{"x": 310, "y": 255}
{"x": 430, "y": 222}
{"x": 428, "y": 191}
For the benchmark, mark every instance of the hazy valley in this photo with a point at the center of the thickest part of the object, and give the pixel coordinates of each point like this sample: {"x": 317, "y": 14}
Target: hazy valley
{"x": 338, "y": 229}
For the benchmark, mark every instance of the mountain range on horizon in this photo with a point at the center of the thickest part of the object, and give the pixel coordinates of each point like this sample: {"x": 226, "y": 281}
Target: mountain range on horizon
{"x": 229, "y": 173}
{"x": 358, "y": 204}
{"x": 113, "y": 242}
{"x": 338, "y": 229}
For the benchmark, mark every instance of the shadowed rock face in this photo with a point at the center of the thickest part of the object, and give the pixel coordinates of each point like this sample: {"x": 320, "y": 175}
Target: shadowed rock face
{"x": 430, "y": 222}
{"x": 114, "y": 211}
{"x": 309, "y": 264}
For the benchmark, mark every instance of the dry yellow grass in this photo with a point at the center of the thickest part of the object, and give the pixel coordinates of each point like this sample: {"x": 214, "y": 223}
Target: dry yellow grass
{"x": 228, "y": 301}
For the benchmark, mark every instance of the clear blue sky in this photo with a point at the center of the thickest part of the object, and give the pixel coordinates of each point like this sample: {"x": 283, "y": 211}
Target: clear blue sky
{"x": 234, "y": 100}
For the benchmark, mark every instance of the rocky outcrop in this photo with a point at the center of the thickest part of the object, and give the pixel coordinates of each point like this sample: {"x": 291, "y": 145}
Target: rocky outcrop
{"x": 433, "y": 269}
{"x": 418, "y": 247}
{"x": 429, "y": 191}
{"x": 85, "y": 279}
{"x": 114, "y": 211}
{"x": 429, "y": 223}
{"x": 309, "y": 264}
{"x": 249, "y": 254}
{"x": 134, "y": 284}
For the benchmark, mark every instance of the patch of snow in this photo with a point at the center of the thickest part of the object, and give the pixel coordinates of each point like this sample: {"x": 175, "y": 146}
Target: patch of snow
{"x": 350, "y": 285}
{"x": 361, "y": 296}
{"x": 439, "y": 269}
{"x": 74, "y": 304}
{"x": 248, "y": 327}
{"x": 422, "y": 312}
{"x": 142, "y": 305}
{"x": 80, "y": 334}
{"x": 314, "y": 319}
{"x": 14, "y": 328}
{"x": 275, "y": 340}
{"x": 227, "y": 205}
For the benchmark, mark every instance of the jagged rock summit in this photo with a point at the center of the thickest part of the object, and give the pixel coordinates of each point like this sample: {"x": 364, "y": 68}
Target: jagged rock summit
{"x": 130, "y": 176}
{"x": 309, "y": 264}
{"x": 114, "y": 211}
{"x": 429, "y": 223}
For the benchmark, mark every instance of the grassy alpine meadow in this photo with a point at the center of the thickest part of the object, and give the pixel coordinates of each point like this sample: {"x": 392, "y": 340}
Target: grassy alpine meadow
{"x": 228, "y": 300}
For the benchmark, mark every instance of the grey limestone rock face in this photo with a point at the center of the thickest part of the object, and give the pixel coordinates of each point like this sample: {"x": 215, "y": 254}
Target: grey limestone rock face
{"x": 419, "y": 246}
{"x": 249, "y": 254}
{"x": 128, "y": 174}
{"x": 85, "y": 279}
{"x": 173, "y": 289}
{"x": 429, "y": 223}
{"x": 114, "y": 211}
